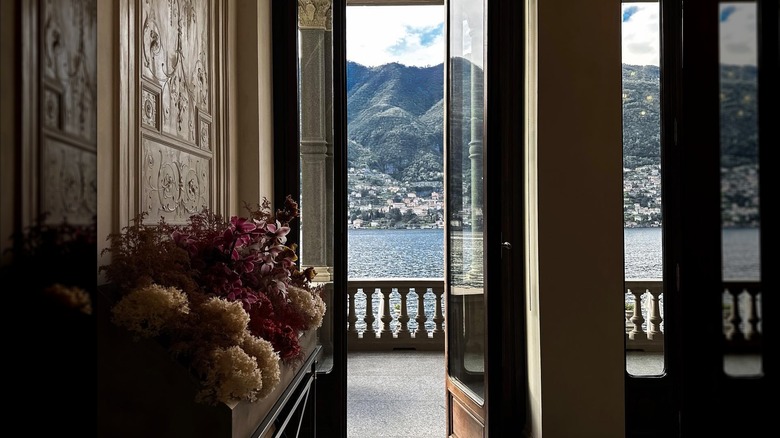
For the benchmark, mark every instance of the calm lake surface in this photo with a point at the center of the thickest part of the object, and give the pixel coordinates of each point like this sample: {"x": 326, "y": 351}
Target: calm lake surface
{"x": 420, "y": 253}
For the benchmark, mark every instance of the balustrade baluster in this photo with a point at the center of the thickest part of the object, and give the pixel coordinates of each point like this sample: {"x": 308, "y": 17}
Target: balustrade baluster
{"x": 438, "y": 317}
{"x": 403, "y": 318}
{"x": 352, "y": 332}
{"x": 369, "y": 332}
{"x": 752, "y": 316}
{"x": 654, "y": 313}
{"x": 638, "y": 332}
{"x": 386, "y": 317}
{"x": 421, "y": 332}
{"x": 735, "y": 334}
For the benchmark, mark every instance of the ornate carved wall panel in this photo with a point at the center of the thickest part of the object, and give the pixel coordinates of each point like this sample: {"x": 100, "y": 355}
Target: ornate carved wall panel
{"x": 69, "y": 68}
{"x": 176, "y": 66}
{"x": 175, "y": 183}
{"x": 62, "y": 128}
{"x": 175, "y": 56}
{"x": 69, "y": 188}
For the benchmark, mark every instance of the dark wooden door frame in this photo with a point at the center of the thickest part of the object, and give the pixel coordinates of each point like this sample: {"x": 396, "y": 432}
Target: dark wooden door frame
{"x": 694, "y": 396}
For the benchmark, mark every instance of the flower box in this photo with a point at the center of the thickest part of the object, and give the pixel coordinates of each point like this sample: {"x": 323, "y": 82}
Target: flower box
{"x": 217, "y": 325}
{"x": 142, "y": 391}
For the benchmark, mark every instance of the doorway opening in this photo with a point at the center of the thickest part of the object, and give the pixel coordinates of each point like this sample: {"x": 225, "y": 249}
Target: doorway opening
{"x": 395, "y": 200}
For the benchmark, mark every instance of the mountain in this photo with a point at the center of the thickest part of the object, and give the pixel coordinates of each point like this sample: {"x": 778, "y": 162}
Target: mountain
{"x": 395, "y": 118}
{"x": 395, "y": 136}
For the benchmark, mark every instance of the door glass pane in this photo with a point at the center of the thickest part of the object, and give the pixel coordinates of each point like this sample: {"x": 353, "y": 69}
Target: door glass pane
{"x": 740, "y": 219}
{"x": 465, "y": 305}
{"x": 642, "y": 221}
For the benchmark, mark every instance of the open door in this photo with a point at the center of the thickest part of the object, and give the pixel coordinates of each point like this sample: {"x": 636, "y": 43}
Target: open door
{"x": 484, "y": 276}
{"x": 466, "y": 347}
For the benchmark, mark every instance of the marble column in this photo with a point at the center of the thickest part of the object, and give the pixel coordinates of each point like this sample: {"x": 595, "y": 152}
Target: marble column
{"x": 315, "y": 92}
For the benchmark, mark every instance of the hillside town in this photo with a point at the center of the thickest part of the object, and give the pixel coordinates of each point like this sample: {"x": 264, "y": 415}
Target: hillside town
{"x": 378, "y": 201}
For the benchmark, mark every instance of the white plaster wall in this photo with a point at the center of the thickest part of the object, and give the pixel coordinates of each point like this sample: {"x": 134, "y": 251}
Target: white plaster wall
{"x": 251, "y": 103}
{"x": 576, "y": 359}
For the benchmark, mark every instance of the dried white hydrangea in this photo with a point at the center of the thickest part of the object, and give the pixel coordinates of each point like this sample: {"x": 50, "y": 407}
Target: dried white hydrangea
{"x": 309, "y": 304}
{"x": 148, "y": 310}
{"x": 227, "y": 319}
{"x": 71, "y": 297}
{"x": 231, "y": 375}
{"x": 267, "y": 361}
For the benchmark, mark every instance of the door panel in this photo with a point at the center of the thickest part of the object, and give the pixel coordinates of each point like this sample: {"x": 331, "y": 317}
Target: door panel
{"x": 486, "y": 363}
{"x": 712, "y": 151}
{"x": 466, "y": 317}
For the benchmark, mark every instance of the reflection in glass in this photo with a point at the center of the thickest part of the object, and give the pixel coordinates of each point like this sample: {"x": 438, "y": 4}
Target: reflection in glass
{"x": 465, "y": 306}
{"x": 740, "y": 219}
{"x": 642, "y": 219}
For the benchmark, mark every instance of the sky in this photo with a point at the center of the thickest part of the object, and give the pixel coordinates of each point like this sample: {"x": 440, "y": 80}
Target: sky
{"x": 413, "y": 35}
{"x": 641, "y": 33}
{"x": 409, "y": 35}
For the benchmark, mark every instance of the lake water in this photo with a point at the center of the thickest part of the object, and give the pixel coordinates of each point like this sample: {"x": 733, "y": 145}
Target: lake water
{"x": 420, "y": 253}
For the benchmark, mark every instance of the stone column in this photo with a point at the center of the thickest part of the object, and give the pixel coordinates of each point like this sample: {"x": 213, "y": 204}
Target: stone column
{"x": 316, "y": 94}
{"x": 316, "y": 144}
{"x": 476, "y": 92}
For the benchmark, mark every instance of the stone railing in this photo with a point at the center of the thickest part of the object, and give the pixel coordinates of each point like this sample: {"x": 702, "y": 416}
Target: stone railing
{"x": 395, "y": 313}
{"x": 644, "y": 315}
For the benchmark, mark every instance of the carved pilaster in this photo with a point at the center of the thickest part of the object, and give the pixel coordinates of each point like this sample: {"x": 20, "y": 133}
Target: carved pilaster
{"x": 316, "y": 145}
{"x": 315, "y": 14}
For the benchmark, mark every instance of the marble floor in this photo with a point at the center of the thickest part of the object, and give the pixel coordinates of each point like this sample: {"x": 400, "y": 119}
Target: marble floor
{"x": 402, "y": 394}
{"x": 396, "y": 394}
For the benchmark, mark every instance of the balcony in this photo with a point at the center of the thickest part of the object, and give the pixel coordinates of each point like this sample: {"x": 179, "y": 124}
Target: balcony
{"x": 400, "y": 322}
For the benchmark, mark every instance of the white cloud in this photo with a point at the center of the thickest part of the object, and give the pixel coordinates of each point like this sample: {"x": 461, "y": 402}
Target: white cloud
{"x": 378, "y": 35}
{"x": 738, "y": 33}
{"x": 641, "y": 34}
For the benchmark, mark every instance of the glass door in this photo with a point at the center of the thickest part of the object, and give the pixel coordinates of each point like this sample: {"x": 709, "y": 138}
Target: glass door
{"x": 466, "y": 316}
{"x": 716, "y": 128}
{"x": 484, "y": 155}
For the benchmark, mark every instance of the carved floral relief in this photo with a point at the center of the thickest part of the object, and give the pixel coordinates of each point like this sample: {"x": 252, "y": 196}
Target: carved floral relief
{"x": 69, "y": 183}
{"x": 175, "y": 56}
{"x": 174, "y": 183}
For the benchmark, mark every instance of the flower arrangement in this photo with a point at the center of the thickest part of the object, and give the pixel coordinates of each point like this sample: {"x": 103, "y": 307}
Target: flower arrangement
{"x": 53, "y": 260}
{"x": 50, "y": 265}
{"x": 225, "y": 297}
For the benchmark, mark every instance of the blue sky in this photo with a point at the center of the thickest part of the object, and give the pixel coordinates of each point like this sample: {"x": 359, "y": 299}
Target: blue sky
{"x": 412, "y": 35}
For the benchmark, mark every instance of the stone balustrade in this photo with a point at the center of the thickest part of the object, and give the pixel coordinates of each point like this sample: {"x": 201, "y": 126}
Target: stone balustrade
{"x": 395, "y": 313}
{"x": 741, "y": 315}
